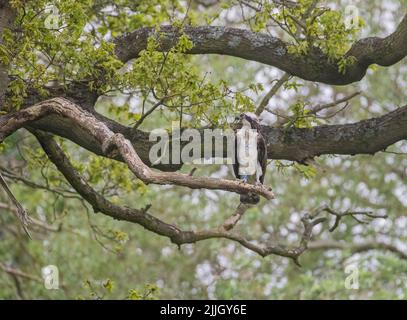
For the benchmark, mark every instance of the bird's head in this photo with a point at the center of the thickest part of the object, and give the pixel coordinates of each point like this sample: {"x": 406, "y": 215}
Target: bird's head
{"x": 249, "y": 118}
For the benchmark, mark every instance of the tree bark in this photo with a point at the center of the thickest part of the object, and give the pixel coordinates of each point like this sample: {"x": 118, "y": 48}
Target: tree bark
{"x": 7, "y": 16}
{"x": 314, "y": 66}
{"x": 296, "y": 144}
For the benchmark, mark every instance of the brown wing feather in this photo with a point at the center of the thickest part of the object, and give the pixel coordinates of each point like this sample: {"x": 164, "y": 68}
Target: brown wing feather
{"x": 262, "y": 154}
{"x": 236, "y": 164}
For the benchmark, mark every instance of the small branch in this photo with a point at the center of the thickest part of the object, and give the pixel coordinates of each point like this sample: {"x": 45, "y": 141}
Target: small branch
{"x": 19, "y": 273}
{"x": 353, "y": 214}
{"x": 230, "y": 223}
{"x": 145, "y": 115}
{"x": 263, "y": 104}
{"x": 33, "y": 221}
{"x": 20, "y": 213}
{"x": 191, "y": 173}
{"x": 400, "y": 172}
{"x": 321, "y": 107}
{"x": 59, "y": 191}
{"x": 357, "y": 247}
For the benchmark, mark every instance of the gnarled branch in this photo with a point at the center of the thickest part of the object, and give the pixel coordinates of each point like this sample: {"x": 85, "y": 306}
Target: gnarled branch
{"x": 148, "y": 221}
{"x": 314, "y": 66}
{"x": 100, "y": 133}
{"x": 177, "y": 235}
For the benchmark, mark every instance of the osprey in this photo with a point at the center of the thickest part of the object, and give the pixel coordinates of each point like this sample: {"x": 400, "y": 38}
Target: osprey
{"x": 250, "y": 161}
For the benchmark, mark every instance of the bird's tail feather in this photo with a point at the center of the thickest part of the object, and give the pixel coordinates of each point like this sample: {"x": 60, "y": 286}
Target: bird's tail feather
{"x": 249, "y": 198}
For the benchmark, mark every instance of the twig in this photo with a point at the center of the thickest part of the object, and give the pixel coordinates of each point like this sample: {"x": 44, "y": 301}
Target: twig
{"x": 321, "y": 107}
{"x": 20, "y": 213}
{"x": 230, "y": 223}
{"x": 13, "y": 176}
{"x": 357, "y": 247}
{"x": 353, "y": 214}
{"x": 145, "y": 115}
{"x": 19, "y": 273}
{"x": 313, "y": 111}
{"x": 271, "y": 93}
{"x": 34, "y": 221}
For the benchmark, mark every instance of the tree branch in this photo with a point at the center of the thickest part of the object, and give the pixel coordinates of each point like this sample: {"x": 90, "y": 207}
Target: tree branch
{"x": 321, "y": 107}
{"x": 353, "y": 214}
{"x": 230, "y": 223}
{"x": 20, "y": 212}
{"x": 33, "y": 221}
{"x": 294, "y": 144}
{"x": 363, "y": 137}
{"x": 7, "y": 16}
{"x": 147, "y": 175}
{"x": 264, "y": 102}
{"x": 314, "y": 66}
{"x": 356, "y": 247}
{"x": 151, "y": 223}
{"x": 99, "y": 132}
{"x": 19, "y": 273}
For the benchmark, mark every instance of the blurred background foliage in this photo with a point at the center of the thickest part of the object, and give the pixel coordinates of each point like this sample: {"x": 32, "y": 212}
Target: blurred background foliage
{"x": 99, "y": 258}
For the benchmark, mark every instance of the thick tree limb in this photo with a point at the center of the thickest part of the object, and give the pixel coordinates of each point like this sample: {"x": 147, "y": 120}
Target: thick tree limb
{"x": 315, "y": 66}
{"x": 101, "y": 134}
{"x": 364, "y": 137}
{"x": 7, "y": 16}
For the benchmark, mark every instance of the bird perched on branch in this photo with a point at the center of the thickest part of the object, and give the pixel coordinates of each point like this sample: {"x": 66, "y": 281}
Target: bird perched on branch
{"x": 250, "y": 161}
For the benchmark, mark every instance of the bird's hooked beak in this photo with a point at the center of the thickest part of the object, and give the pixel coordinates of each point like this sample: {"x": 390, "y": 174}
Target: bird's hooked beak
{"x": 240, "y": 117}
